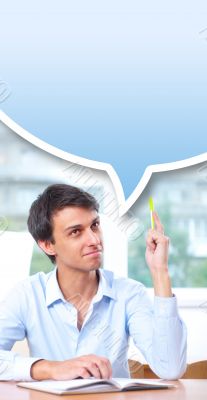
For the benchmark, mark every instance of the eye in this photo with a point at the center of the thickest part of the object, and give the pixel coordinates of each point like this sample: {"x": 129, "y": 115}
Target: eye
{"x": 75, "y": 232}
{"x": 96, "y": 225}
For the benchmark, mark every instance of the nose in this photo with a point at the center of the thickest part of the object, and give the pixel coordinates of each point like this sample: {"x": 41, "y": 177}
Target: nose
{"x": 93, "y": 238}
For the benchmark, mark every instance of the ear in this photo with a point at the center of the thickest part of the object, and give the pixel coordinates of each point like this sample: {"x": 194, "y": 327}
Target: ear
{"x": 47, "y": 247}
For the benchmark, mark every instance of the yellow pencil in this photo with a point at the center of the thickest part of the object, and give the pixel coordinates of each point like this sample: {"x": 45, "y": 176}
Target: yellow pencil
{"x": 151, "y": 206}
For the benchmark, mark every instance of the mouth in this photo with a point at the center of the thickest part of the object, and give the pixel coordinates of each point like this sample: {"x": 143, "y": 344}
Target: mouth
{"x": 94, "y": 253}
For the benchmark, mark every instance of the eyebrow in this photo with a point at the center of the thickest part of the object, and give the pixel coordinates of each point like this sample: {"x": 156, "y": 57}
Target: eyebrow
{"x": 79, "y": 226}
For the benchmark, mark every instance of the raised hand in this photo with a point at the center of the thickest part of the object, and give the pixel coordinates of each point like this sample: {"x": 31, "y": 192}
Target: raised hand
{"x": 157, "y": 245}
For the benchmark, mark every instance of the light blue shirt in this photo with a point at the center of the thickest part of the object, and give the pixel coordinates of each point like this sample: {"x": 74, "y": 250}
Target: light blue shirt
{"x": 37, "y": 310}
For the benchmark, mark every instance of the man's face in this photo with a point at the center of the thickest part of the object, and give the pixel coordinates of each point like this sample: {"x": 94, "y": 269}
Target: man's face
{"x": 78, "y": 241}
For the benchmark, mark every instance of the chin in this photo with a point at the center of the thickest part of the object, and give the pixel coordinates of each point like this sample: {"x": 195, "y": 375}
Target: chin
{"x": 95, "y": 266}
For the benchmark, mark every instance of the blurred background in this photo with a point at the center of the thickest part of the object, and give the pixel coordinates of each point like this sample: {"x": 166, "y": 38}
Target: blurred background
{"x": 180, "y": 198}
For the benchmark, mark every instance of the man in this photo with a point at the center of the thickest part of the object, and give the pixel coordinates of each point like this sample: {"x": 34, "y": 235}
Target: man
{"x": 78, "y": 318}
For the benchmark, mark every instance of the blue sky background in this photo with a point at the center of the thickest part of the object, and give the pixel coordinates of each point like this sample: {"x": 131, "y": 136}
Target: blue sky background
{"x": 122, "y": 82}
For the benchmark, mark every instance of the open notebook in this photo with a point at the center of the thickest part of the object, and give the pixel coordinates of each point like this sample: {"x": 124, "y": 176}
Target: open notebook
{"x": 93, "y": 385}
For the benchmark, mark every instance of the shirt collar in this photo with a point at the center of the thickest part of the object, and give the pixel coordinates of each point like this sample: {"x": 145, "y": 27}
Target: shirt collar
{"x": 53, "y": 292}
{"x": 105, "y": 288}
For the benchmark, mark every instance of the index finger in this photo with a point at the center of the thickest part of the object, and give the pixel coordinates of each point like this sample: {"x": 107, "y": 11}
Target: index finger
{"x": 158, "y": 225}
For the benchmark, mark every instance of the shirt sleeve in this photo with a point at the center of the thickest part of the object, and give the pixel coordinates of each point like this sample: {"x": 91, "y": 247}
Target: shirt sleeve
{"x": 14, "y": 367}
{"x": 13, "y": 312}
{"x": 158, "y": 332}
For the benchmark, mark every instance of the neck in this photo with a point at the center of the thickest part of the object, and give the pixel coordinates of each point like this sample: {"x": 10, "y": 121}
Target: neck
{"x": 77, "y": 284}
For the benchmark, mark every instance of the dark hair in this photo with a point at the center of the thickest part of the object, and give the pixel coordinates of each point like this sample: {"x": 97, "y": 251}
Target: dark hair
{"x": 55, "y": 198}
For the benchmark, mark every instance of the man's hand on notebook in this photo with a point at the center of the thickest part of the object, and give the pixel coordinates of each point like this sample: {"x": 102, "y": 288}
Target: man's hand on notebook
{"x": 79, "y": 367}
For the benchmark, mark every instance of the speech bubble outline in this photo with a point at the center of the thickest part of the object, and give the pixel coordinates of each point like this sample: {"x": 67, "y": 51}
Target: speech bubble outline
{"x": 125, "y": 204}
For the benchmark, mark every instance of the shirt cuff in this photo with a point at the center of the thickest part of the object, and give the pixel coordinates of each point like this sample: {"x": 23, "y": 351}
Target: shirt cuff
{"x": 165, "y": 306}
{"x": 22, "y": 368}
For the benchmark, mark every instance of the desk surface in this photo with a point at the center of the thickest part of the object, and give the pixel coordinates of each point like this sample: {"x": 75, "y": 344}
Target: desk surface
{"x": 186, "y": 389}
